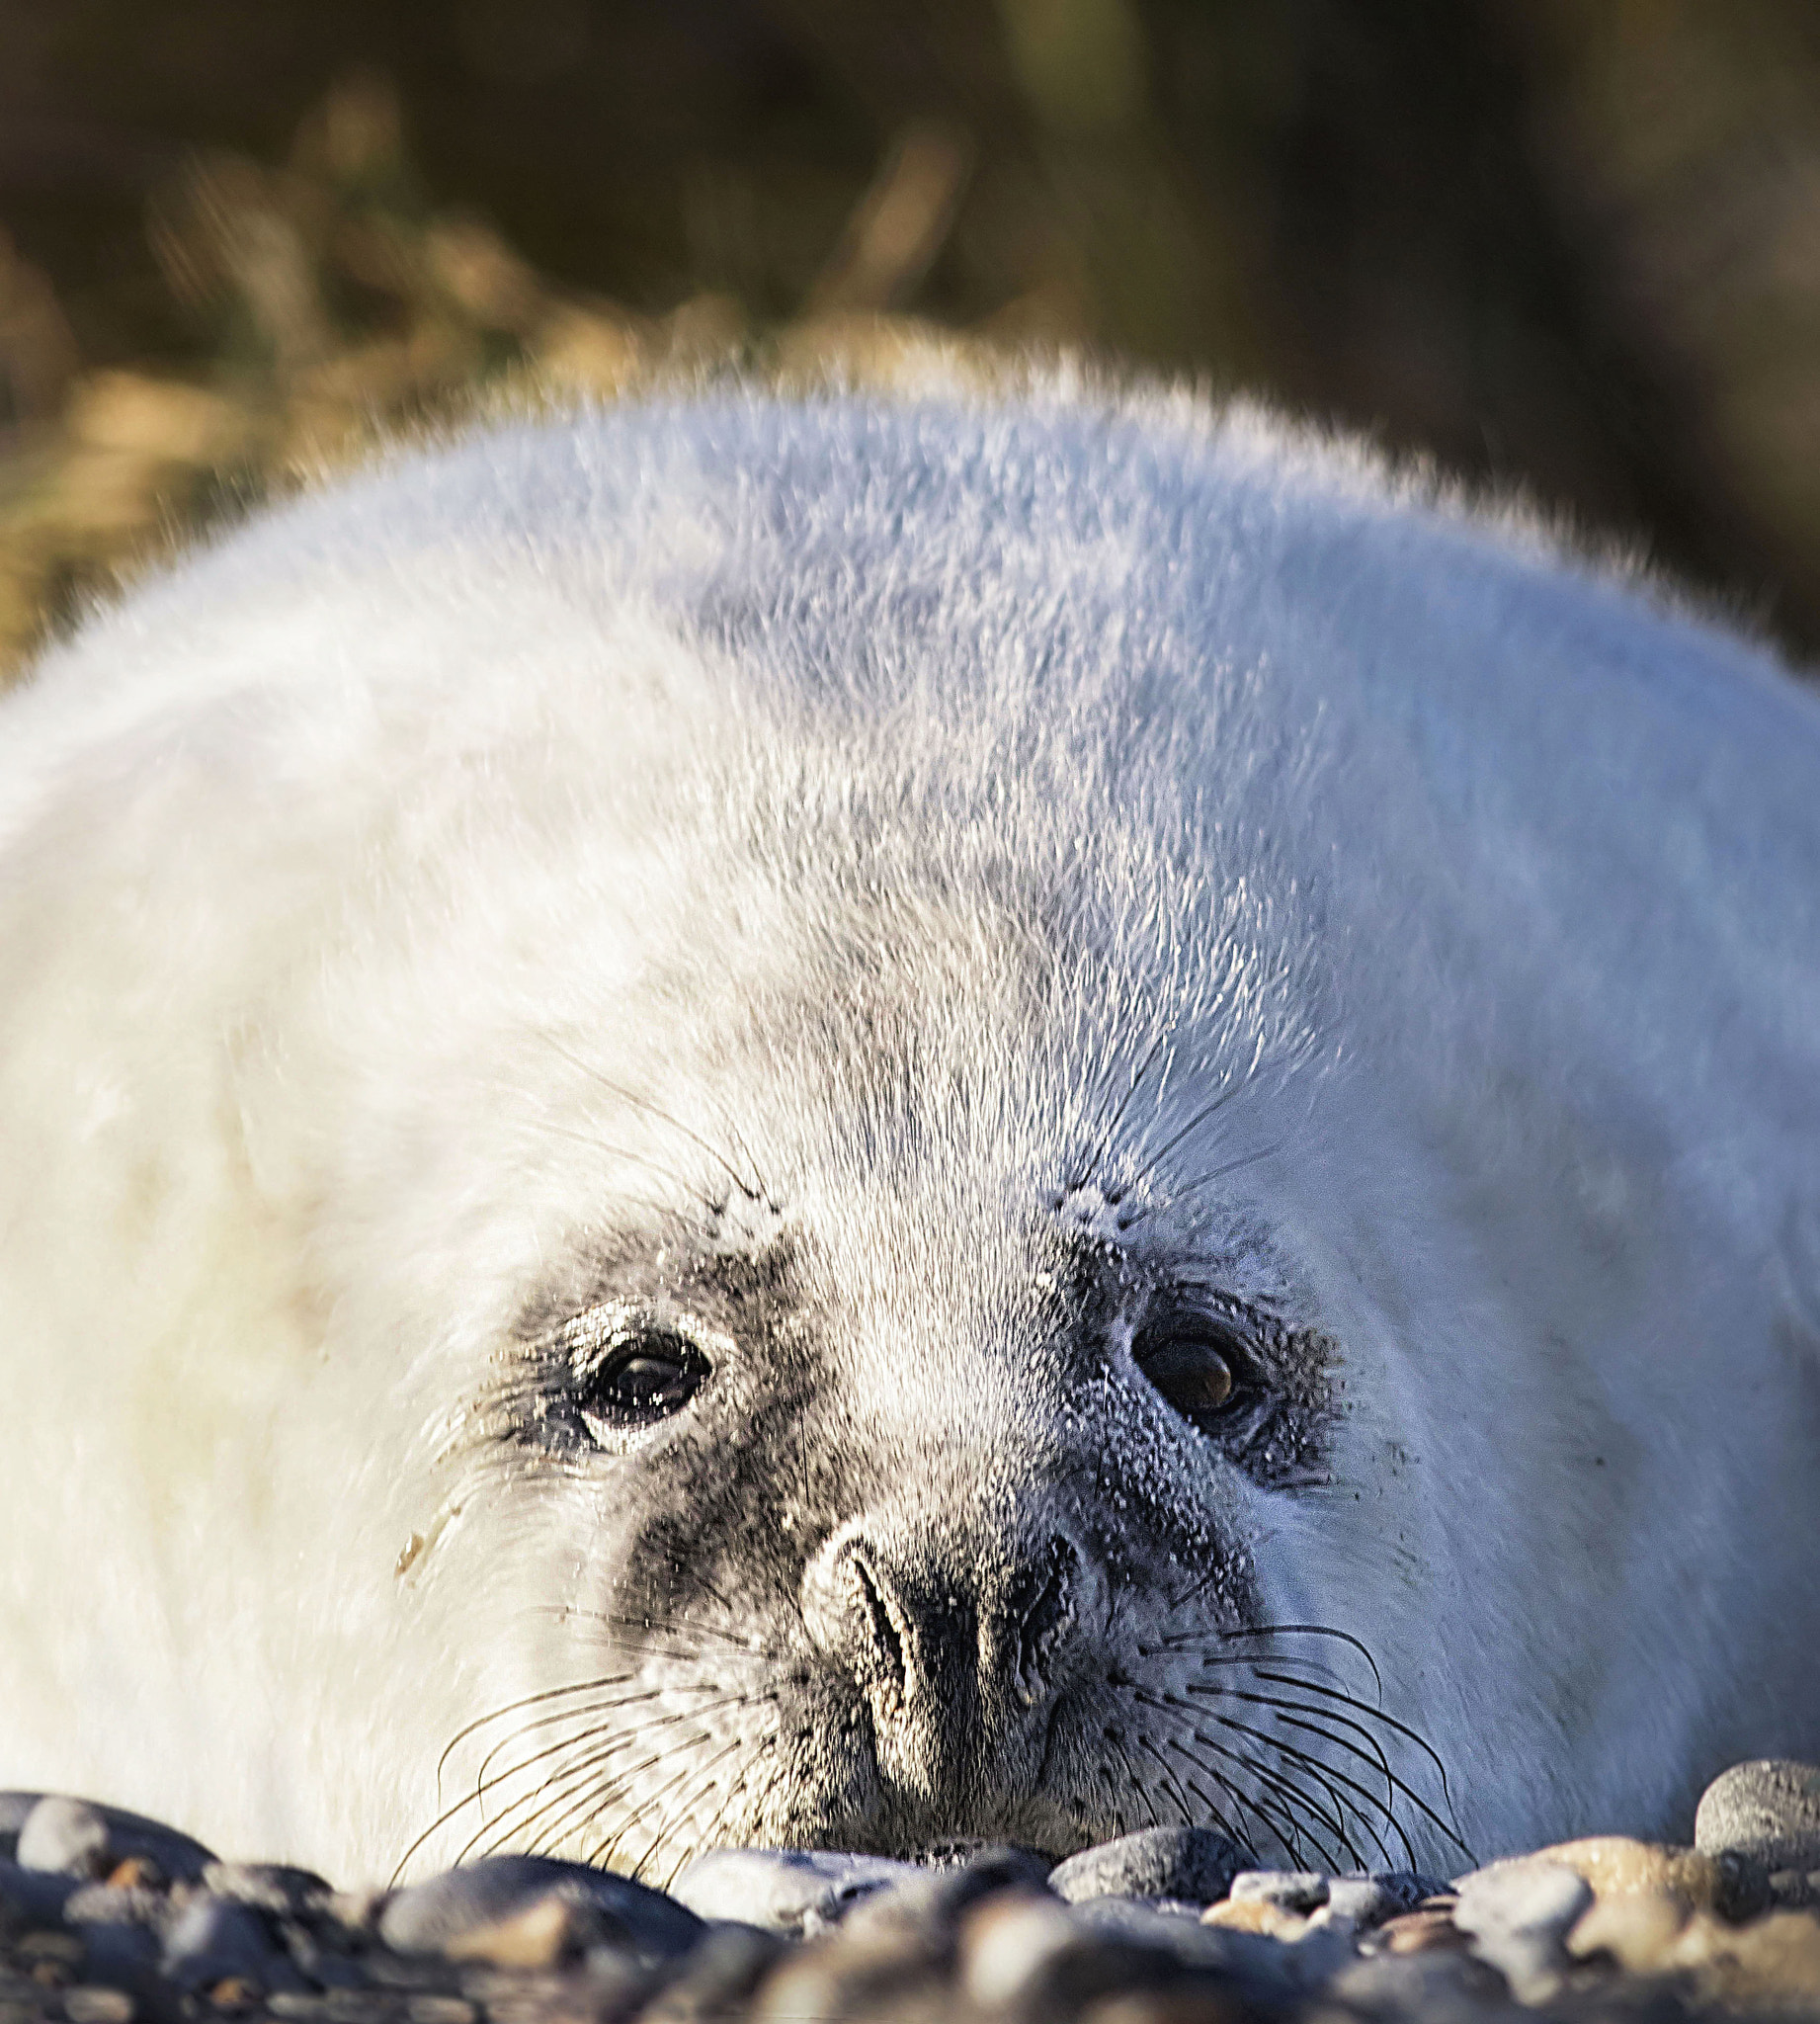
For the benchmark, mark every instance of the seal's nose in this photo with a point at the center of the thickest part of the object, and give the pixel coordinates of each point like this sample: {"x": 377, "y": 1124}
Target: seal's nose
{"x": 953, "y": 1643}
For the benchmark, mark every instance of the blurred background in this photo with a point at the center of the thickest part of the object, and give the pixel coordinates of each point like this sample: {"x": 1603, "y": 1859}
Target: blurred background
{"x": 1569, "y": 244}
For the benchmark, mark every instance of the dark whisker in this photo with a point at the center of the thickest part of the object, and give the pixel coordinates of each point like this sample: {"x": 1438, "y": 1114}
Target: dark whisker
{"x": 1324, "y": 1772}
{"x": 511, "y": 1707}
{"x": 1227, "y": 1828}
{"x": 1279, "y": 1821}
{"x": 691, "y": 1796}
{"x": 1090, "y": 1165}
{"x": 1389, "y": 1721}
{"x": 1312, "y": 1631}
{"x": 1219, "y": 1173}
{"x": 670, "y": 1627}
{"x": 747, "y": 1188}
{"x": 1278, "y": 1780}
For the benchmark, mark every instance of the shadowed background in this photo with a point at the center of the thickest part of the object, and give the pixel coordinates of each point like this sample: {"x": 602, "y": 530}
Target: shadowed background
{"x": 1572, "y": 244}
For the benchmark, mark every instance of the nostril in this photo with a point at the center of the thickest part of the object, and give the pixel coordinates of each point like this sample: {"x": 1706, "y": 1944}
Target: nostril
{"x": 1043, "y": 1614}
{"x": 882, "y": 1631}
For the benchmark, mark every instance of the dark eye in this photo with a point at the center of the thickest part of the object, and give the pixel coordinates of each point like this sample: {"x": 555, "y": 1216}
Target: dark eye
{"x": 1197, "y": 1366}
{"x": 641, "y": 1382}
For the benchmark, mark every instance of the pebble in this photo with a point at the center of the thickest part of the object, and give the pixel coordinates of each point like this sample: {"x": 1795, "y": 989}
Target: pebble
{"x": 1191, "y": 1864}
{"x": 1024, "y": 1954}
{"x": 785, "y": 1890}
{"x": 268, "y": 1887}
{"x": 66, "y": 1836}
{"x": 1122, "y": 1934}
{"x": 717, "y": 1978}
{"x": 1768, "y": 1810}
{"x": 211, "y": 1939}
{"x": 89, "y": 2004}
{"x": 434, "y": 1917}
{"x": 74, "y": 1837}
{"x": 839, "y": 1975}
{"x": 1518, "y": 1916}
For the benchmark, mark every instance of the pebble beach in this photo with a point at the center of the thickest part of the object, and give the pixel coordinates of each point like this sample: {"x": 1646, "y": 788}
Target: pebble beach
{"x": 110, "y": 1918}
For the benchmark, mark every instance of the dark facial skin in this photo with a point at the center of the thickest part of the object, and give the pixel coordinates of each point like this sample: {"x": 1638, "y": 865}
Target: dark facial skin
{"x": 965, "y": 1604}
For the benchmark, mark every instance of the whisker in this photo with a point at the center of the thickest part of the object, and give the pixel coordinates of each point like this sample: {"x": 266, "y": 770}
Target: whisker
{"x": 1219, "y": 1173}
{"x": 1389, "y": 1721}
{"x": 1090, "y": 1165}
{"x": 1325, "y": 1772}
{"x": 555, "y": 1791}
{"x": 1279, "y": 1781}
{"x": 1278, "y": 1821}
{"x": 691, "y": 1796}
{"x": 516, "y": 1707}
{"x": 1225, "y": 1826}
{"x": 645, "y": 1103}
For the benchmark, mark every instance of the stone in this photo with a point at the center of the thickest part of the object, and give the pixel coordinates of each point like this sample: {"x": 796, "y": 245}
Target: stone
{"x": 1418, "y": 1932}
{"x": 1302, "y": 1891}
{"x": 209, "y": 1940}
{"x": 428, "y": 1918}
{"x": 717, "y": 1979}
{"x": 1255, "y": 1915}
{"x": 1366, "y": 1903}
{"x": 1789, "y": 1891}
{"x": 108, "y": 1904}
{"x": 839, "y": 1975}
{"x": 785, "y": 1890}
{"x": 1615, "y": 1866}
{"x": 1775, "y": 1961}
{"x": 932, "y": 1901}
{"x": 1194, "y": 2003}
{"x": 1437, "y": 1987}
{"x": 66, "y": 1836}
{"x": 1768, "y": 1808}
{"x": 37, "y": 1895}
{"x": 1024, "y": 1954}
{"x": 1269, "y": 1969}
{"x": 127, "y": 1836}
{"x": 1193, "y": 1864}
{"x": 540, "y": 1933}
{"x": 89, "y": 2004}
{"x": 275, "y": 1888}
{"x": 1636, "y": 1930}
{"x": 1518, "y": 1916}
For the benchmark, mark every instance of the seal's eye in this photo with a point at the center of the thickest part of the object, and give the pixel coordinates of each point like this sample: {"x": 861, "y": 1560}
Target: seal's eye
{"x": 641, "y": 1380}
{"x": 1195, "y": 1364}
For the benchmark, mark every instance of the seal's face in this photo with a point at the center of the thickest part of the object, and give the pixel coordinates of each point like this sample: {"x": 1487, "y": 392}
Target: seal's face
{"x": 877, "y": 1518}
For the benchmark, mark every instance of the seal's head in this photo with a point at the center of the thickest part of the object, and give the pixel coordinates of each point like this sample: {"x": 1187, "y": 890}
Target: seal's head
{"x": 883, "y": 1125}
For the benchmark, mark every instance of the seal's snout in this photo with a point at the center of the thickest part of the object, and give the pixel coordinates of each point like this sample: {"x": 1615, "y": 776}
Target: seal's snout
{"x": 952, "y": 1641}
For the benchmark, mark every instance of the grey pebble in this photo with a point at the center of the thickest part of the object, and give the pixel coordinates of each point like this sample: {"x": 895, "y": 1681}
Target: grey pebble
{"x": 424, "y": 1917}
{"x": 1364, "y": 1902}
{"x": 39, "y": 1894}
{"x": 1298, "y": 1891}
{"x": 1193, "y": 1864}
{"x": 115, "y": 1905}
{"x": 209, "y": 1939}
{"x": 1768, "y": 1808}
{"x": 45, "y": 1823}
{"x": 717, "y": 1978}
{"x": 269, "y": 1887}
{"x": 1518, "y": 1916}
{"x": 67, "y": 1836}
{"x": 932, "y": 1900}
{"x": 1028, "y": 1956}
{"x": 785, "y": 1890}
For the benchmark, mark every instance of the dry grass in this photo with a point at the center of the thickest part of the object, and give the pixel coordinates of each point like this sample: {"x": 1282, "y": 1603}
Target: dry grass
{"x": 346, "y": 310}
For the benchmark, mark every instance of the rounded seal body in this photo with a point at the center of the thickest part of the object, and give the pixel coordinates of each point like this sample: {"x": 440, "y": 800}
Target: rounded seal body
{"x": 869, "y": 1124}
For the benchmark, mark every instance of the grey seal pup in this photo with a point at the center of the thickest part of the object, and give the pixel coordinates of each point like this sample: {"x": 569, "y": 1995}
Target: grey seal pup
{"x": 881, "y": 1122}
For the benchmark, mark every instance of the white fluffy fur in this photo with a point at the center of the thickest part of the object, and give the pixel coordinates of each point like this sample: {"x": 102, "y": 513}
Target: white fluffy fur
{"x": 706, "y": 743}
